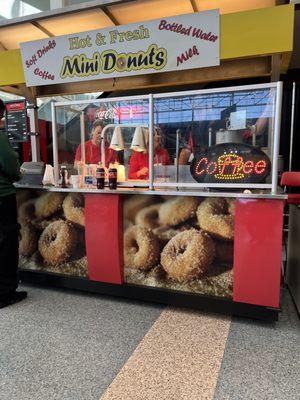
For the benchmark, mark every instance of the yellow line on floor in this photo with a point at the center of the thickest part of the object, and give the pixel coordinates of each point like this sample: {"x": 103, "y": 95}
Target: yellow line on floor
{"x": 179, "y": 358}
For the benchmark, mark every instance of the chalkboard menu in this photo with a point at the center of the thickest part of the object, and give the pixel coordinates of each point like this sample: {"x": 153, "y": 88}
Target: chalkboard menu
{"x": 16, "y": 121}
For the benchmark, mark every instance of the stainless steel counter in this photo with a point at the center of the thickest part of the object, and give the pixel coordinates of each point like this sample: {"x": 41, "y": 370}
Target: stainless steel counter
{"x": 260, "y": 194}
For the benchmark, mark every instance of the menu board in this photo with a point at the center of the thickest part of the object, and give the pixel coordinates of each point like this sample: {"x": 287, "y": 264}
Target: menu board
{"x": 16, "y": 121}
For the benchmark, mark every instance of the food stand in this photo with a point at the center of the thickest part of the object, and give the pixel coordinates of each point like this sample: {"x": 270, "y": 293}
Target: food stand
{"x": 216, "y": 235}
{"x": 205, "y": 233}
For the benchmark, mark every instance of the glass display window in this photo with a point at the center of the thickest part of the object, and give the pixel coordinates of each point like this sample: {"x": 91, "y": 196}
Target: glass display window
{"x": 226, "y": 137}
{"x": 215, "y": 137}
{"x": 104, "y": 133}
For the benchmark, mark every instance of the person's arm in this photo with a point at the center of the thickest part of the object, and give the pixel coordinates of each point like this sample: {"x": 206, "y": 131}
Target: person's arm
{"x": 260, "y": 125}
{"x": 184, "y": 156}
{"x": 136, "y": 171}
{"x": 9, "y": 164}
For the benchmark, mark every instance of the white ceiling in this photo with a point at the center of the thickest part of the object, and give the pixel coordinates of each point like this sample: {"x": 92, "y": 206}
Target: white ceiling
{"x": 100, "y": 15}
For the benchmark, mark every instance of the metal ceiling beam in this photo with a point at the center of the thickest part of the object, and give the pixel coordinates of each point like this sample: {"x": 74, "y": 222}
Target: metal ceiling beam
{"x": 88, "y": 5}
{"x": 12, "y": 90}
{"x": 194, "y": 5}
{"x": 2, "y": 47}
{"x": 42, "y": 29}
{"x": 110, "y": 15}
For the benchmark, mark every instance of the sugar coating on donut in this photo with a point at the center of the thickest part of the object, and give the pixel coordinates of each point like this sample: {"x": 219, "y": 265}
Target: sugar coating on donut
{"x": 57, "y": 242}
{"x": 73, "y": 207}
{"x": 188, "y": 255}
{"x": 29, "y": 240}
{"x": 148, "y": 216}
{"x": 48, "y": 204}
{"x": 215, "y": 216}
{"x": 178, "y": 210}
{"x": 141, "y": 248}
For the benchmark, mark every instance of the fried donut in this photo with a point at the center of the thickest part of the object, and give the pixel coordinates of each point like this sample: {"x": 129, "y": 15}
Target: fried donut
{"x": 224, "y": 251}
{"x": 148, "y": 216}
{"x": 188, "y": 255}
{"x": 215, "y": 217}
{"x": 141, "y": 248}
{"x": 135, "y": 203}
{"x": 178, "y": 210}
{"x": 57, "y": 242}
{"x": 73, "y": 207}
{"x": 48, "y": 204}
{"x": 29, "y": 240}
{"x": 26, "y": 211}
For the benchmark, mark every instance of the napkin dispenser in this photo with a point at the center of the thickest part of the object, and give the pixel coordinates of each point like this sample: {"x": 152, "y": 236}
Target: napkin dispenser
{"x": 32, "y": 173}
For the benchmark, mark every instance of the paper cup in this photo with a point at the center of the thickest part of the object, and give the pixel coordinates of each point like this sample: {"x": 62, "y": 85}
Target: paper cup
{"x": 74, "y": 181}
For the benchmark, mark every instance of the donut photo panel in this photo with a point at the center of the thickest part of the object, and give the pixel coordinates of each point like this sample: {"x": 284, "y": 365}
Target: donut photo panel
{"x": 52, "y": 232}
{"x": 179, "y": 243}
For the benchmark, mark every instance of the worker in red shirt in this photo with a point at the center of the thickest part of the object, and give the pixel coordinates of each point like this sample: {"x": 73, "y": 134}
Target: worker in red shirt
{"x": 139, "y": 161}
{"x": 92, "y": 147}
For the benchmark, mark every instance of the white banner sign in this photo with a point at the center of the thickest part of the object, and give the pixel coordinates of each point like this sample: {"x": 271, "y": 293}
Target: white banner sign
{"x": 169, "y": 44}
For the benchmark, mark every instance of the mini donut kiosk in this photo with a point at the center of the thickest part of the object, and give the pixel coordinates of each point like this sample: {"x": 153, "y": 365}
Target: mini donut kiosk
{"x": 204, "y": 233}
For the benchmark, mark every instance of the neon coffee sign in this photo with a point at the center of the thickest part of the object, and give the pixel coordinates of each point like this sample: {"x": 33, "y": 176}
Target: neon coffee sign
{"x": 231, "y": 163}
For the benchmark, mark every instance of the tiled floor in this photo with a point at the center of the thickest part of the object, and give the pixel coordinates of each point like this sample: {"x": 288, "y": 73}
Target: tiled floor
{"x": 62, "y": 345}
{"x": 67, "y": 346}
{"x": 261, "y": 360}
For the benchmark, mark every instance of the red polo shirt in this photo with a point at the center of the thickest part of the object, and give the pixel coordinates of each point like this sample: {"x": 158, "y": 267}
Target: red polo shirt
{"x": 93, "y": 154}
{"x": 139, "y": 160}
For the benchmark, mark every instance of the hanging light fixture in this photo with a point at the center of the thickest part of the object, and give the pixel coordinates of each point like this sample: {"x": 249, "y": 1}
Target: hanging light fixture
{"x": 117, "y": 140}
{"x": 139, "y": 140}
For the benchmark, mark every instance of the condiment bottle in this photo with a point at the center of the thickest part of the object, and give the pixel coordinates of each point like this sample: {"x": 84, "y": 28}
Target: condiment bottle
{"x": 63, "y": 176}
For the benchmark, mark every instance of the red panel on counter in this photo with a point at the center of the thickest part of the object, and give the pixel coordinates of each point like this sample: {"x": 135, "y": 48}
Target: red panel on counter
{"x": 103, "y": 235}
{"x": 257, "y": 251}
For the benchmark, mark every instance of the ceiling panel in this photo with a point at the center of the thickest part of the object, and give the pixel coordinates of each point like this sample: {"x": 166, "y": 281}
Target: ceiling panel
{"x": 231, "y": 6}
{"x": 145, "y": 10}
{"x": 11, "y": 36}
{"x": 78, "y": 22}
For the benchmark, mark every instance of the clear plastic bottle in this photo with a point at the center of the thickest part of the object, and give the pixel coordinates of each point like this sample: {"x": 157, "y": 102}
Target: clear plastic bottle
{"x": 88, "y": 178}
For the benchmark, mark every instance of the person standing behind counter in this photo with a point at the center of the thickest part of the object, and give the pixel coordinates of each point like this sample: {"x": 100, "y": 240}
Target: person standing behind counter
{"x": 139, "y": 161}
{"x": 92, "y": 148}
{"x": 9, "y": 228}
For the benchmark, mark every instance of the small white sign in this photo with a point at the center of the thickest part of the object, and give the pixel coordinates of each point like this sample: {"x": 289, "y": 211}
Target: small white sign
{"x": 238, "y": 120}
{"x": 168, "y": 44}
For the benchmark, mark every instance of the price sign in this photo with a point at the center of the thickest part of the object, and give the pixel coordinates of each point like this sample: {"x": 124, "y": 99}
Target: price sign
{"x": 231, "y": 163}
{"x": 16, "y": 121}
